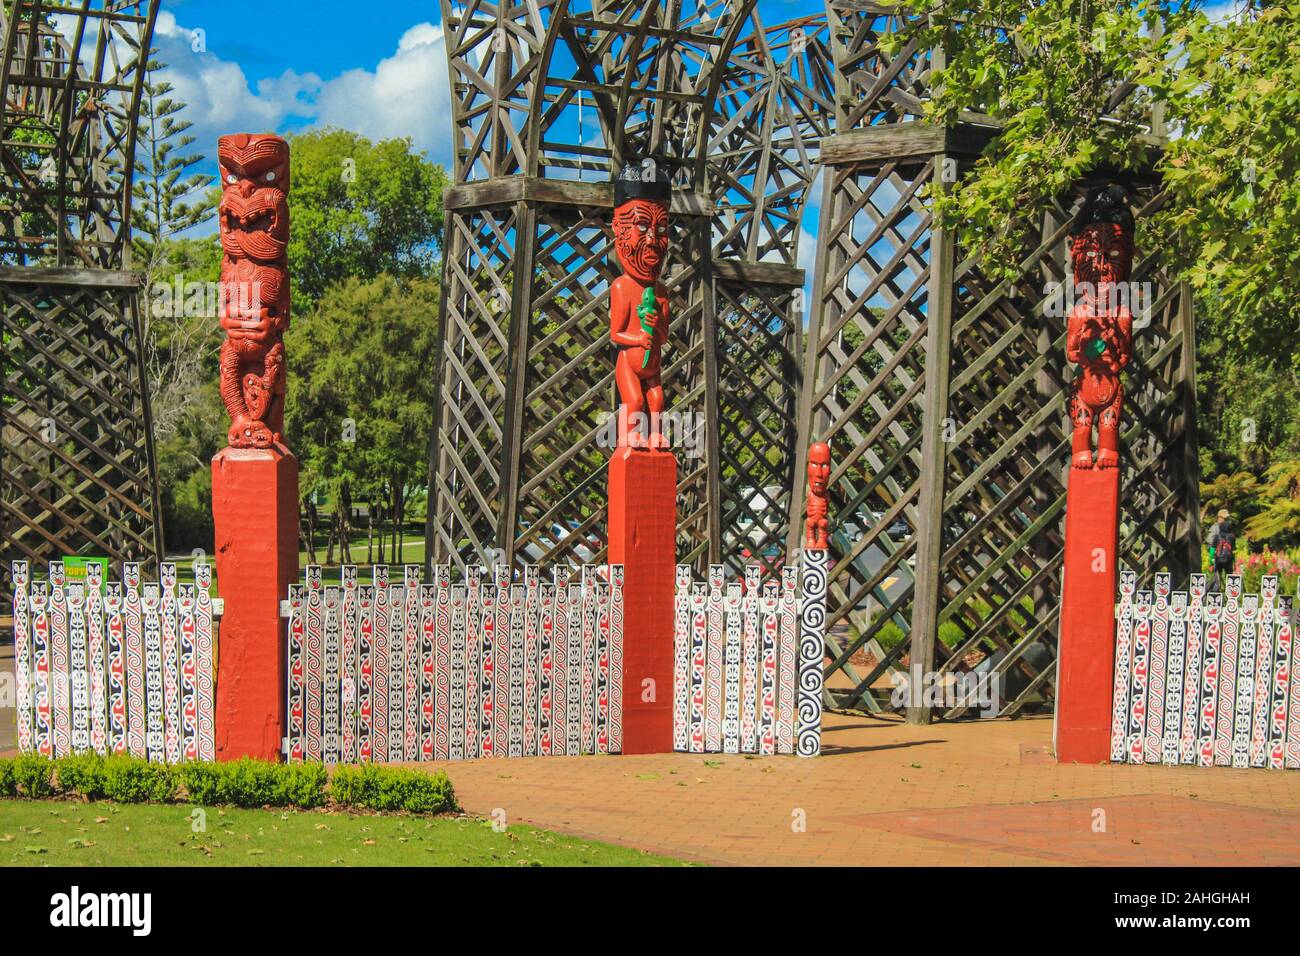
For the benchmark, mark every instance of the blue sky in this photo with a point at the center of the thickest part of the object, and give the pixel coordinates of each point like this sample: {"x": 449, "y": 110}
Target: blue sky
{"x": 378, "y": 68}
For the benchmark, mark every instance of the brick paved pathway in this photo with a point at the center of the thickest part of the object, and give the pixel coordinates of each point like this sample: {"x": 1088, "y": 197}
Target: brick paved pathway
{"x": 888, "y": 794}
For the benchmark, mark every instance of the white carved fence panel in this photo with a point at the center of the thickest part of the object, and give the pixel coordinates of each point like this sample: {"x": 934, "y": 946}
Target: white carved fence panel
{"x": 748, "y": 659}
{"x": 1205, "y": 679}
{"x": 112, "y": 667}
{"x": 485, "y": 667}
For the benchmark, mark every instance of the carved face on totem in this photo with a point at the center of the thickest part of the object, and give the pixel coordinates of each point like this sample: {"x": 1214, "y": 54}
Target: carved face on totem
{"x": 1102, "y": 253}
{"x": 641, "y": 238}
{"x": 819, "y": 468}
{"x": 254, "y": 210}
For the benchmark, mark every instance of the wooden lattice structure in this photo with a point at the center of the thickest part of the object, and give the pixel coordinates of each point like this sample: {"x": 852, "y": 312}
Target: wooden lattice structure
{"x": 943, "y": 395}
{"x": 941, "y": 392}
{"x": 77, "y": 471}
{"x": 548, "y": 102}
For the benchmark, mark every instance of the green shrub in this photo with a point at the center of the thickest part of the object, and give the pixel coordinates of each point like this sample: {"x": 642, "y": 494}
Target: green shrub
{"x": 135, "y": 780}
{"x": 82, "y": 774}
{"x": 301, "y": 785}
{"x": 241, "y": 783}
{"x": 248, "y": 783}
{"x": 202, "y": 782}
{"x": 351, "y": 786}
{"x": 392, "y": 788}
{"x": 33, "y": 776}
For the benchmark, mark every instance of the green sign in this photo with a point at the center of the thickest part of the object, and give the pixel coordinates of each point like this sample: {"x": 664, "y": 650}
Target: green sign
{"x": 74, "y": 566}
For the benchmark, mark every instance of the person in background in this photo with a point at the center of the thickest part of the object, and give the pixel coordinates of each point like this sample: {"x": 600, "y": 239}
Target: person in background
{"x": 1223, "y": 543}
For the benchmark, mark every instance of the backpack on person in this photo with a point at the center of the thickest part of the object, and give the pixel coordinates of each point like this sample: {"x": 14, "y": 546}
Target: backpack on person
{"x": 1223, "y": 549}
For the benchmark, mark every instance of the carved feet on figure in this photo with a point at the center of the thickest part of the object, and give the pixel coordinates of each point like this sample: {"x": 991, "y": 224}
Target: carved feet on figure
{"x": 248, "y": 432}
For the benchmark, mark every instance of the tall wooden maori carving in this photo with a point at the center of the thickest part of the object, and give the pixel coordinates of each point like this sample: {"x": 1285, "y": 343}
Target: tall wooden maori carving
{"x": 638, "y": 304}
{"x": 1099, "y": 339}
{"x": 642, "y": 471}
{"x": 255, "y": 479}
{"x": 254, "y": 222}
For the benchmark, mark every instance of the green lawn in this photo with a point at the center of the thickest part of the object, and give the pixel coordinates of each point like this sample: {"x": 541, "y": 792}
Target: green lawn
{"x": 71, "y": 833}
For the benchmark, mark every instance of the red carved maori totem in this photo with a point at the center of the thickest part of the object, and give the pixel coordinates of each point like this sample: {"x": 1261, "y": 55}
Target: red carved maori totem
{"x": 254, "y": 222}
{"x": 638, "y": 301}
{"x": 642, "y": 470}
{"x": 255, "y": 478}
{"x": 1099, "y": 336}
{"x": 819, "y": 476}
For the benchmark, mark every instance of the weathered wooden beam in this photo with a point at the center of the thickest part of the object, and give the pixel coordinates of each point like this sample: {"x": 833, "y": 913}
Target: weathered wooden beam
{"x": 759, "y": 273}
{"x": 505, "y": 190}
{"x": 95, "y": 278}
{"x": 905, "y": 140}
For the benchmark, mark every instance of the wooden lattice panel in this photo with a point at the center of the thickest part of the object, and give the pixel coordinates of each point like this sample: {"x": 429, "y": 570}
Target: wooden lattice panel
{"x": 864, "y": 387}
{"x": 526, "y": 378}
{"x": 78, "y": 473}
{"x": 71, "y": 95}
{"x": 943, "y": 396}
{"x": 478, "y": 284}
{"x": 759, "y": 345}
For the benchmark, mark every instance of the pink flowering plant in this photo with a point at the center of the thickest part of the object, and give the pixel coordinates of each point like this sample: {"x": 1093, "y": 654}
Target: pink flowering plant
{"x": 1286, "y": 565}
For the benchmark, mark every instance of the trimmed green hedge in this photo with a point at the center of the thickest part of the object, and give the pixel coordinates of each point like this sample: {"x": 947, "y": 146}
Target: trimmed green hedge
{"x": 240, "y": 783}
{"x": 391, "y": 788}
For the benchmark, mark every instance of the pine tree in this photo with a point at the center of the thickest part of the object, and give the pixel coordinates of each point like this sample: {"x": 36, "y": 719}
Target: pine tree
{"x": 168, "y": 197}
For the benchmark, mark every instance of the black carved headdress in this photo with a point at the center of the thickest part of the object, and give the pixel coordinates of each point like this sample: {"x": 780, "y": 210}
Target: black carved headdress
{"x": 1104, "y": 204}
{"x": 636, "y": 180}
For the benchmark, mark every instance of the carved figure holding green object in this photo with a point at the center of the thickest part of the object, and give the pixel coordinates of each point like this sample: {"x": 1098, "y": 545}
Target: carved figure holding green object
{"x": 646, "y": 313}
{"x": 638, "y": 305}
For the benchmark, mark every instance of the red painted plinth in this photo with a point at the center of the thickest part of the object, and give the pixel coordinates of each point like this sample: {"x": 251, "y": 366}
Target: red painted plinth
{"x": 255, "y": 510}
{"x": 643, "y": 538}
{"x": 1086, "y": 657}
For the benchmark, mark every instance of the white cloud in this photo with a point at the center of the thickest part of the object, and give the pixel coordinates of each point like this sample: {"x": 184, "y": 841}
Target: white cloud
{"x": 217, "y": 93}
{"x": 406, "y": 95}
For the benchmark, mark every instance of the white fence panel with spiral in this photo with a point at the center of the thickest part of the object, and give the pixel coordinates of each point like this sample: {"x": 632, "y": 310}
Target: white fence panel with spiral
{"x": 748, "y": 658}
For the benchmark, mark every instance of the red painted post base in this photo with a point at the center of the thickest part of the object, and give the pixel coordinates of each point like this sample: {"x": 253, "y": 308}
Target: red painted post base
{"x": 1086, "y": 655}
{"x": 643, "y": 538}
{"x": 255, "y": 510}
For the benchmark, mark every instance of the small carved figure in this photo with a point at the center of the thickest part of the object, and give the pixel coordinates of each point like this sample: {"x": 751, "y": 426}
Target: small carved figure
{"x": 254, "y": 221}
{"x": 818, "y": 528}
{"x": 638, "y": 302}
{"x": 1099, "y": 333}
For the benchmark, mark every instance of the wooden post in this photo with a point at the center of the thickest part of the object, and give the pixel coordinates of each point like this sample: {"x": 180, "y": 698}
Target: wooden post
{"x": 643, "y": 538}
{"x": 929, "y": 526}
{"x": 255, "y": 514}
{"x": 1087, "y": 640}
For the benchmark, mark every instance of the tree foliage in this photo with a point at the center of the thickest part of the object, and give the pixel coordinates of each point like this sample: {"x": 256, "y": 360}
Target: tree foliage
{"x": 360, "y": 402}
{"x": 360, "y": 209}
{"x": 167, "y": 197}
{"x": 1226, "y": 92}
{"x": 1045, "y": 69}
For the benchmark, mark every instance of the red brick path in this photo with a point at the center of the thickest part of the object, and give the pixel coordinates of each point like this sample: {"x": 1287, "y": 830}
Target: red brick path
{"x": 885, "y": 793}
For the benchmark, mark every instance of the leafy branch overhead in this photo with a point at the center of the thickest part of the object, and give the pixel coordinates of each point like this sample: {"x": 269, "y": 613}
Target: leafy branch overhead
{"x": 1081, "y": 87}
